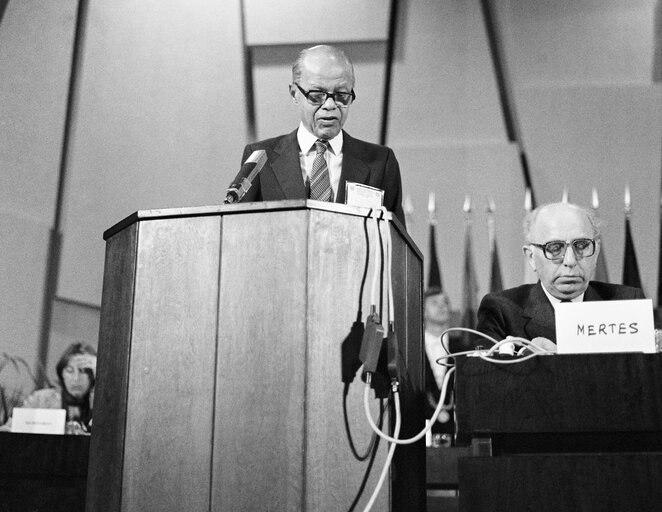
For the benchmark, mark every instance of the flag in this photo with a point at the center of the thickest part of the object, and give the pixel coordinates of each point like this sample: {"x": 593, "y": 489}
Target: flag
{"x": 601, "y": 273}
{"x": 631, "y": 275}
{"x": 470, "y": 283}
{"x": 659, "y": 256}
{"x": 530, "y": 275}
{"x": 434, "y": 272}
{"x": 657, "y": 43}
{"x": 496, "y": 283}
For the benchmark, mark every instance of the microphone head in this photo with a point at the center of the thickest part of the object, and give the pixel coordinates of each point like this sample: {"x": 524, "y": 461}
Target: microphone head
{"x": 259, "y": 156}
{"x": 247, "y": 173}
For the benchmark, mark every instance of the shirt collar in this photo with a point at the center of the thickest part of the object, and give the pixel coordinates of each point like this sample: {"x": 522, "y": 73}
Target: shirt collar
{"x": 307, "y": 141}
{"x": 554, "y": 300}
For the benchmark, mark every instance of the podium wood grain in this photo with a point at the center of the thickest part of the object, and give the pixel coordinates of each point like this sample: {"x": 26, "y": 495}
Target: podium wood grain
{"x": 220, "y": 371}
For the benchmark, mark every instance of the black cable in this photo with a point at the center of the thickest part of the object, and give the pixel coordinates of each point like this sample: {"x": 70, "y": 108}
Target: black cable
{"x": 375, "y": 448}
{"x": 350, "y": 439}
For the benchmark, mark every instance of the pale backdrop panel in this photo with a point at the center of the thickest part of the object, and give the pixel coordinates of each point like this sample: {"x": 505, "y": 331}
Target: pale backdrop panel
{"x": 443, "y": 89}
{"x": 570, "y": 42}
{"x": 315, "y": 21}
{"x": 452, "y": 173}
{"x": 35, "y": 58}
{"x": 159, "y": 120}
{"x": 23, "y": 247}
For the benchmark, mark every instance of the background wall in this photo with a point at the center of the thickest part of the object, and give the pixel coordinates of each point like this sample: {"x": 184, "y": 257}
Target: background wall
{"x": 163, "y": 109}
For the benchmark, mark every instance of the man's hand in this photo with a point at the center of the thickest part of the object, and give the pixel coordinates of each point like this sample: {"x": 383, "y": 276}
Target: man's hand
{"x": 544, "y": 344}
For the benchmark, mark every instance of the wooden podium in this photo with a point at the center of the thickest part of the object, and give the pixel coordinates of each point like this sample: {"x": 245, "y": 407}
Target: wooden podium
{"x": 564, "y": 432}
{"x": 220, "y": 354}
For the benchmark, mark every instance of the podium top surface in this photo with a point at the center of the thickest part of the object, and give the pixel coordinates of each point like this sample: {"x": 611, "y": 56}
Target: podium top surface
{"x": 262, "y": 206}
{"x": 587, "y": 393}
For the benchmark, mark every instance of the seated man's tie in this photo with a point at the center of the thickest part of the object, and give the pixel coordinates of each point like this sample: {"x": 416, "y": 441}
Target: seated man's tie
{"x": 320, "y": 185}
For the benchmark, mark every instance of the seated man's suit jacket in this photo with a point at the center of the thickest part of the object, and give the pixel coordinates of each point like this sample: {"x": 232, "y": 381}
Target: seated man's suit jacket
{"x": 363, "y": 162}
{"x": 526, "y": 312}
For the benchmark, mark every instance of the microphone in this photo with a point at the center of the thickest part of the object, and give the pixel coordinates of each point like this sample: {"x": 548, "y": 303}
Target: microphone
{"x": 244, "y": 179}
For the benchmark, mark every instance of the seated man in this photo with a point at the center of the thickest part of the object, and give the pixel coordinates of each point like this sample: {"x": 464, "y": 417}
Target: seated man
{"x": 562, "y": 243}
{"x": 437, "y": 313}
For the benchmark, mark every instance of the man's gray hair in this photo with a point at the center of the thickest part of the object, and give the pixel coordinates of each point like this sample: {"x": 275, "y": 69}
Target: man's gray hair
{"x": 336, "y": 52}
{"x": 531, "y": 217}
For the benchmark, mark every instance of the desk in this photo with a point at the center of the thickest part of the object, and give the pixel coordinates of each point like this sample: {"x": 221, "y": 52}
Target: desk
{"x": 565, "y": 432}
{"x": 43, "y": 473}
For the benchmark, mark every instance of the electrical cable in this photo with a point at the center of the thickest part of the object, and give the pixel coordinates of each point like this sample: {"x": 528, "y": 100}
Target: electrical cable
{"x": 391, "y": 451}
{"x": 486, "y": 355}
{"x": 377, "y": 263}
{"x": 366, "y": 408}
{"x": 348, "y": 431}
{"x": 373, "y": 454}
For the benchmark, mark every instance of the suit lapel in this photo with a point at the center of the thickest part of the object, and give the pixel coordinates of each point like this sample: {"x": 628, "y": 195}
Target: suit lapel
{"x": 591, "y": 295}
{"x": 287, "y": 167}
{"x": 354, "y": 166}
{"x": 539, "y": 314}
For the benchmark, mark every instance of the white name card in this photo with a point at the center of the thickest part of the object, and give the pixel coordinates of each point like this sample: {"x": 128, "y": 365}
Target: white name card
{"x": 357, "y": 194}
{"x": 605, "y": 326}
{"x": 38, "y": 421}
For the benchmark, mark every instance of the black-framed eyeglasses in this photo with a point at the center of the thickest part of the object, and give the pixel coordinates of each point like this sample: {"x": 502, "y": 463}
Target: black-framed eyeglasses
{"x": 556, "y": 249}
{"x": 316, "y": 97}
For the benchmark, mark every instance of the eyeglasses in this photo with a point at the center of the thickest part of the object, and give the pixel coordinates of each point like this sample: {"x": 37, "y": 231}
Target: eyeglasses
{"x": 315, "y": 97}
{"x": 556, "y": 249}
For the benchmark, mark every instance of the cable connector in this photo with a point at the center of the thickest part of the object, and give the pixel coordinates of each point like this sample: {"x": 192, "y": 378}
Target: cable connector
{"x": 371, "y": 345}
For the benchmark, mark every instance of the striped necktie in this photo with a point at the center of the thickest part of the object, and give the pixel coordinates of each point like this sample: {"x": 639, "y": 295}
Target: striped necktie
{"x": 320, "y": 185}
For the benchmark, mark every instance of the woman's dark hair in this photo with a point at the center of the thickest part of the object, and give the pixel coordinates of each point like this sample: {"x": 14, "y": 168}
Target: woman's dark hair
{"x": 73, "y": 350}
{"x": 82, "y": 405}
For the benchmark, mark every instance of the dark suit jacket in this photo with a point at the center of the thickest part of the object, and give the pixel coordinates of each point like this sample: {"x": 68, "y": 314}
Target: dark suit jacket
{"x": 526, "y": 312}
{"x": 363, "y": 162}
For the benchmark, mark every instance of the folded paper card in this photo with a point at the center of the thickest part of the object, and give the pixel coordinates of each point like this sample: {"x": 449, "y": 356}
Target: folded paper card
{"x": 357, "y": 194}
{"x": 38, "y": 421}
{"x": 605, "y": 326}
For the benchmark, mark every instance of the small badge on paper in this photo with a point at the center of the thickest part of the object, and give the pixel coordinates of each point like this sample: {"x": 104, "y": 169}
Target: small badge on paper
{"x": 605, "y": 326}
{"x": 38, "y": 421}
{"x": 357, "y": 194}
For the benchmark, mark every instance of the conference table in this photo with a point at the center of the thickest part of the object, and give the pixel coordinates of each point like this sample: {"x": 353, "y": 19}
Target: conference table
{"x": 563, "y": 432}
{"x": 43, "y": 473}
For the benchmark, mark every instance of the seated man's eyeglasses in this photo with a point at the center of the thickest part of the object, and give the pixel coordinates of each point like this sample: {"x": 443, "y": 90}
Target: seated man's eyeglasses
{"x": 556, "y": 249}
{"x": 315, "y": 97}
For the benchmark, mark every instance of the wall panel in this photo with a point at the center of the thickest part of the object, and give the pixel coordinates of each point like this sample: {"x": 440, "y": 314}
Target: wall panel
{"x": 159, "y": 123}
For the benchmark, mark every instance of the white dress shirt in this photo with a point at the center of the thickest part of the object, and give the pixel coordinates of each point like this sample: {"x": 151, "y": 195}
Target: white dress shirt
{"x": 333, "y": 156}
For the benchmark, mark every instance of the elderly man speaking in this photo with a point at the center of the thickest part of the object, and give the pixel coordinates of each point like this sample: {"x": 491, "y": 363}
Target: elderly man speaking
{"x": 317, "y": 159}
{"x": 562, "y": 243}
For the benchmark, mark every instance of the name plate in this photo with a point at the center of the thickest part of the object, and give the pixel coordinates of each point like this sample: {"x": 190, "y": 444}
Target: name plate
{"x": 357, "y": 194}
{"x": 38, "y": 421}
{"x": 605, "y": 326}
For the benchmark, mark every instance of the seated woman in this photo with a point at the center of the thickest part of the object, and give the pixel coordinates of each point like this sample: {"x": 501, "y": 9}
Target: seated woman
{"x": 76, "y": 371}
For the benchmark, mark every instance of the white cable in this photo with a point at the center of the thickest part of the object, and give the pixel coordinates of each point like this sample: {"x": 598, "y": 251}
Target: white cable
{"x": 391, "y": 451}
{"x": 442, "y": 399}
{"x": 388, "y": 260}
{"x": 377, "y": 262}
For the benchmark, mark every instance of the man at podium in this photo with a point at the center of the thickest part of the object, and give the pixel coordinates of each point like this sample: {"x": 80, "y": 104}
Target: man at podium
{"x": 319, "y": 158}
{"x": 562, "y": 243}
